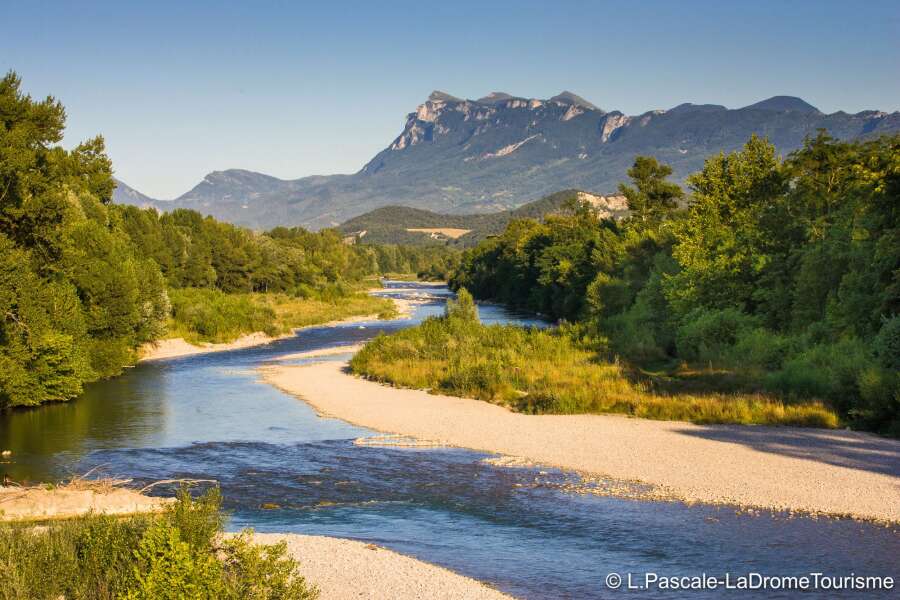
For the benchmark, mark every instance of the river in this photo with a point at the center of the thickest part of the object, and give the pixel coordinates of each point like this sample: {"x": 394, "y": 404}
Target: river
{"x": 283, "y": 468}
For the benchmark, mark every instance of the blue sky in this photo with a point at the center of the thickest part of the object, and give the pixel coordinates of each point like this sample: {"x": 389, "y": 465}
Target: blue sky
{"x": 180, "y": 89}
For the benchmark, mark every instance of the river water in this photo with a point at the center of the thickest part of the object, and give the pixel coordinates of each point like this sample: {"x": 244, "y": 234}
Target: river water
{"x": 283, "y": 468}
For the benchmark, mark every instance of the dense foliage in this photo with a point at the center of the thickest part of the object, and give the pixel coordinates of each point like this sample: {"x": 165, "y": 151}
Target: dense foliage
{"x": 84, "y": 282}
{"x": 75, "y": 295}
{"x": 786, "y": 272}
{"x": 547, "y": 371}
{"x": 196, "y": 251}
{"x": 179, "y": 554}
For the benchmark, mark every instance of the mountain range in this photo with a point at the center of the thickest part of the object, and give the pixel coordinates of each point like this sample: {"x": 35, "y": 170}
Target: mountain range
{"x": 457, "y": 156}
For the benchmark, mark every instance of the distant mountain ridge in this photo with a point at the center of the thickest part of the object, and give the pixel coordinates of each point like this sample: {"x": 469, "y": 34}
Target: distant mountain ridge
{"x": 459, "y": 156}
{"x": 125, "y": 194}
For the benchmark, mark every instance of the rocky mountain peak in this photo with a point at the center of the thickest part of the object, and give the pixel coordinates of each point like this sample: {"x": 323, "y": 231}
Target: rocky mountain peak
{"x": 439, "y": 96}
{"x": 569, "y": 98}
{"x": 689, "y": 107}
{"x": 495, "y": 97}
{"x": 785, "y": 104}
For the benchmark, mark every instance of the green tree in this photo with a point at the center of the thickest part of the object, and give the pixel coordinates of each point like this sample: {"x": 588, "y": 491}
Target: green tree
{"x": 463, "y": 307}
{"x": 75, "y": 299}
{"x": 651, "y": 197}
{"x": 726, "y": 245}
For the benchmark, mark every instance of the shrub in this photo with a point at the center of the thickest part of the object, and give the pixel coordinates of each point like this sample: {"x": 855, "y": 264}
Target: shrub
{"x": 332, "y": 292}
{"x": 827, "y": 371}
{"x": 708, "y": 334}
{"x": 108, "y": 355}
{"x": 879, "y": 406}
{"x": 482, "y": 380}
{"x": 761, "y": 348}
{"x": 167, "y": 568}
{"x": 538, "y": 403}
{"x": 631, "y": 336}
{"x": 209, "y": 315}
{"x": 178, "y": 554}
{"x": 463, "y": 307}
{"x": 887, "y": 344}
{"x": 261, "y": 572}
{"x": 642, "y": 332}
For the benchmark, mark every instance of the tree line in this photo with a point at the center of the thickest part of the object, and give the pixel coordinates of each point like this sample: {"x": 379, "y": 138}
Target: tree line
{"x": 784, "y": 272}
{"x": 83, "y": 282}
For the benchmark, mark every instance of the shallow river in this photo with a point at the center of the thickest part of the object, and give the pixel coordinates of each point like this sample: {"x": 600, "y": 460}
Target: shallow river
{"x": 522, "y": 530}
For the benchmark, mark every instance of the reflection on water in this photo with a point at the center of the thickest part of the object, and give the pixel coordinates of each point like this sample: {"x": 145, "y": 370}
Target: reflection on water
{"x": 518, "y": 528}
{"x": 212, "y": 397}
{"x": 121, "y": 412}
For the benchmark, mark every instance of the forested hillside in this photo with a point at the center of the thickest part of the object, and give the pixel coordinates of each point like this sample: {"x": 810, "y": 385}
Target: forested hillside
{"x": 84, "y": 282}
{"x": 780, "y": 276}
{"x": 403, "y": 224}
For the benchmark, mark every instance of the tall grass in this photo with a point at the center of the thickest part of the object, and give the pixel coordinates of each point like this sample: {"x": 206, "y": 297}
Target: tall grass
{"x": 179, "y": 554}
{"x": 544, "y": 371}
{"x": 210, "y": 315}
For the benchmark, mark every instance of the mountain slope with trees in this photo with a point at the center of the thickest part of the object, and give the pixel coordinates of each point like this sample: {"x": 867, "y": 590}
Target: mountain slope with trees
{"x": 392, "y": 224}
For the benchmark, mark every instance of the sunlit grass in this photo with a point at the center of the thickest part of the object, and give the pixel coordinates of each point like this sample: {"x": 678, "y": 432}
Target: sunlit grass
{"x": 208, "y": 315}
{"x": 538, "y": 371}
{"x": 293, "y": 312}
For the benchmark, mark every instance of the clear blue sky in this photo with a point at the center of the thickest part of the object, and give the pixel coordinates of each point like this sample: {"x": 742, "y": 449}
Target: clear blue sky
{"x": 179, "y": 90}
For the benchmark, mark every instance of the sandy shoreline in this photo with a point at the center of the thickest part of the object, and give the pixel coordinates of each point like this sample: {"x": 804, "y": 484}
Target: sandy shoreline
{"x": 811, "y": 470}
{"x": 344, "y": 568}
{"x": 179, "y": 347}
{"x": 322, "y": 352}
{"x": 37, "y": 503}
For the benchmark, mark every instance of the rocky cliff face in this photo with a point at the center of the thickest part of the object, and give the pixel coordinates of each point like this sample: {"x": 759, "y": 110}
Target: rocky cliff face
{"x": 500, "y": 151}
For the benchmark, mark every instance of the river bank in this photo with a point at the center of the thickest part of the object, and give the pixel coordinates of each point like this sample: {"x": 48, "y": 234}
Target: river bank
{"x": 839, "y": 473}
{"x": 40, "y": 503}
{"x": 343, "y": 568}
{"x": 179, "y": 347}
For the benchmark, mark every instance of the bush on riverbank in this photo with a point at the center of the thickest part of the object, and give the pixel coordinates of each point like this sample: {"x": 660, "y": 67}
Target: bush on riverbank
{"x": 209, "y": 315}
{"x": 544, "y": 371}
{"x": 178, "y": 554}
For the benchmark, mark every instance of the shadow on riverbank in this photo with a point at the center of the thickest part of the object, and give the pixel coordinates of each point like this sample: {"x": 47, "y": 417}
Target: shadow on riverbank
{"x": 853, "y": 450}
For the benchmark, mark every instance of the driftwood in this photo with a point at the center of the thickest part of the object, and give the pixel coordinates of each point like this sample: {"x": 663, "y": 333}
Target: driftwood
{"x": 169, "y": 481}
{"x": 102, "y": 484}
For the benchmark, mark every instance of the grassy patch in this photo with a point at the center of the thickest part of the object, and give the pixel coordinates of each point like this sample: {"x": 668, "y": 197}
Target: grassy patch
{"x": 178, "y": 554}
{"x": 209, "y": 315}
{"x": 293, "y": 312}
{"x": 401, "y": 276}
{"x": 538, "y": 371}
